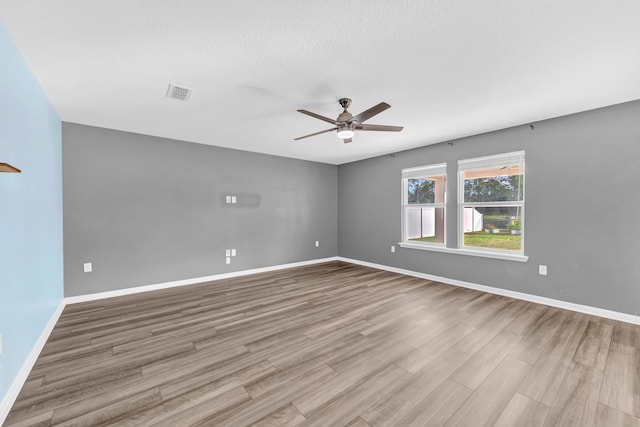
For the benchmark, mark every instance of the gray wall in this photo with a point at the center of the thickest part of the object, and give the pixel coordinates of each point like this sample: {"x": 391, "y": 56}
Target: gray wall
{"x": 148, "y": 210}
{"x": 582, "y": 209}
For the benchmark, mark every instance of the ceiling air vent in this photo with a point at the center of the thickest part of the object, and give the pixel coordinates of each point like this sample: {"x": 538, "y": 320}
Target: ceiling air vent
{"x": 178, "y": 92}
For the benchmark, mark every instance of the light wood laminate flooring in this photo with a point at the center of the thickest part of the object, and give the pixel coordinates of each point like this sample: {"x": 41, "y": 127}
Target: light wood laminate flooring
{"x": 329, "y": 345}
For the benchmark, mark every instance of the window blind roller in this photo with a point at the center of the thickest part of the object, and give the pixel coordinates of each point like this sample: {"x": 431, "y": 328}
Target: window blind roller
{"x": 507, "y": 159}
{"x": 439, "y": 169}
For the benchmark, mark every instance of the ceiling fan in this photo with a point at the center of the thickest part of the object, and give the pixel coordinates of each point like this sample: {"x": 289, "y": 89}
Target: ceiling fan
{"x": 346, "y": 124}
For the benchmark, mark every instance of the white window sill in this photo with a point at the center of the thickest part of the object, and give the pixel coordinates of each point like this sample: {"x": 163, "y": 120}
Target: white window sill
{"x": 485, "y": 254}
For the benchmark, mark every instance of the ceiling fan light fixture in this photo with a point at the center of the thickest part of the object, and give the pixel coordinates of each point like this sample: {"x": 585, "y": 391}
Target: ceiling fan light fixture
{"x": 346, "y": 124}
{"x": 345, "y": 133}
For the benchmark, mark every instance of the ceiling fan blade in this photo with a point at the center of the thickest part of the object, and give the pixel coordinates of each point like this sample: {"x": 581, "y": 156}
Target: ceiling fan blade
{"x": 380, "y": 128}
{"x": 347, "y": 140}
{"x": 318, "y": 116}
{"x": 366, "y": 115}
{"x": 314, "y": 134}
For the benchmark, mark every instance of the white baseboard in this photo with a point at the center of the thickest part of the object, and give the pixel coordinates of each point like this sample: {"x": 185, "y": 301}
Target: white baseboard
{"x": 12, "y": 393}
{"x": 595, "y": 311}
{"x": 193, "y": 281}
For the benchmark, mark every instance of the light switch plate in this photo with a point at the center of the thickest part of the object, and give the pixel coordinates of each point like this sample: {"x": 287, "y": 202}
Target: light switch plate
{"x": 227, "y": 199}
{"x": 88, "y": 267}
{"x": 228, "y": 261}
{"x": 233, "y": 199}
{"x": 542, "y": 270}
{"x": 317, "y": 243}
{"x": 233, "y": 252}
{"x": 227, "y": 252}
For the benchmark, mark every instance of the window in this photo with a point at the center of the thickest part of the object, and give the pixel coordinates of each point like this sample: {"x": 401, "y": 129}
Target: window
{"x": 423, "y": 204}
{"x": 491, "y": 203}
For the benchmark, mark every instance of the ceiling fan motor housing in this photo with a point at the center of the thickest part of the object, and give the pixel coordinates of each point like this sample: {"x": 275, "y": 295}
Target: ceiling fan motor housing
{"x": 345, "y": 102}
{"x": 345, "y": 116}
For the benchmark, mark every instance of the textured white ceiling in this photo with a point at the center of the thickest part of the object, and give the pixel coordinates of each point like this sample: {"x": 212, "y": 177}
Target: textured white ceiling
{"x": 449, "y": 68}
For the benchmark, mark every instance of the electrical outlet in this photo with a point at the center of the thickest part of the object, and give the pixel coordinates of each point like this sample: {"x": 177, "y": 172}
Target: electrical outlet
{"x": 233, "y": 199}
{"x": 228, "y": 261}
{"x": 393, "y": 249}
{"x": 317, "y": 243}
{"x": 542, "y": 270}
{"x": 88, "y": 267}
{"x": 233, "y": 252}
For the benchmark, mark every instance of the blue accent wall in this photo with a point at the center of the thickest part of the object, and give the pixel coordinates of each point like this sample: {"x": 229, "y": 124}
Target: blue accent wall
{"x": 31, "y": 264}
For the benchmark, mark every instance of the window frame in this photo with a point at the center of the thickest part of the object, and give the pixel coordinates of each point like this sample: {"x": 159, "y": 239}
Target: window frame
{"x": 498, "y": 160}
{"x": 417, "y": 172}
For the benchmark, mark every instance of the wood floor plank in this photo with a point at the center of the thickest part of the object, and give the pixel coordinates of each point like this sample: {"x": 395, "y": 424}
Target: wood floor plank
{"x": 503, "y": 316}
{"x": 474, "y": 371}
{"x": 487, "y": 403}
{"x": 621, "y": 382}
{"x": 387, "y": 352}
{"x": 577, "y": 400}
{"x": 438, "y": 407}
{"x": 525, "y": 319}
{"x": 594, "y": 346}
{"x": 63, "y": 355}
{"x": 95, "y": 357}
{"x": 60, "y": 395}
{"x": 545, "y": 378}
{"x": 477, "y": 339}
{"x": 188, "y": 409}
{"x": 331, "y": 344}
{"x": 626, "y": 334}
{"x": 259, "y": 407}
{"x": 282, "y": 417}
{"x": 534, "y": 341}
{"x": 407, "y": 396}
{"x": 523, "y": 412}
{"x": 114, "y": 410}
{"x": 339, "y": 411}
{"x": 352, "y": 347}
{"x": 607, "y": 416}
{"x": 323, "y": 344}
{"x": 430, "y": 328}
{"x": 484, "y": 309}
{"x": 357, "y": 422}
{"x": 115, "y": 364}
{"x": 200, "y": 360}
{"x": 33, "y": 382}
{"x": 241, "y": 374}
{"x": 40, "y": 420}
{"x": 420, "y": 357}
{"x": 351, "y": 375}
{"x": 72, "y": 388}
